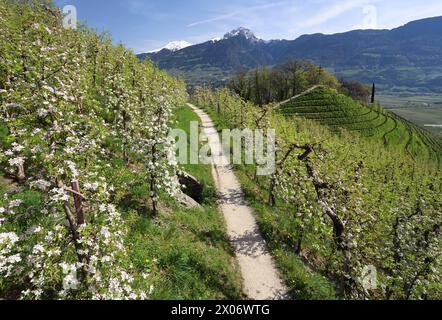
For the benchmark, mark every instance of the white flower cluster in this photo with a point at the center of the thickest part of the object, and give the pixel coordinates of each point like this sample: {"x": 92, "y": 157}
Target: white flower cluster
{"x": 8, "y": 256}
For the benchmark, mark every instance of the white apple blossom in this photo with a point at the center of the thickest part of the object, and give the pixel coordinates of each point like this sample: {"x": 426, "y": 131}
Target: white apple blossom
{"x": 15, "y": 203}
{"x": 15, "y": 162}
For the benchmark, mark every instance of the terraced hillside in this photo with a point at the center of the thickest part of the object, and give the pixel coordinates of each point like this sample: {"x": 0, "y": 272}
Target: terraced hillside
{"x": 337, "y": 111}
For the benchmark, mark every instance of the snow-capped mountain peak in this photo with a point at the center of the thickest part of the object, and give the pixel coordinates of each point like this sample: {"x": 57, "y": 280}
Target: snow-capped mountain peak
{"x": 174, "y": 46}
{"x": 177, "y": 45}
{"x": 241, "y": 32}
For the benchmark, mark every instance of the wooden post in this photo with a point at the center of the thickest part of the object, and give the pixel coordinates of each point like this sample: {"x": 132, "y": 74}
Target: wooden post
{"x": 242, "y": 117}
{"x": 373, "y": 93}
{"x": 78, "y": 201}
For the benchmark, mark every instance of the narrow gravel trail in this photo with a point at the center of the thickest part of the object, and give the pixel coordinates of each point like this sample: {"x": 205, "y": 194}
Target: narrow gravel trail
{"x": 261, "y": 278}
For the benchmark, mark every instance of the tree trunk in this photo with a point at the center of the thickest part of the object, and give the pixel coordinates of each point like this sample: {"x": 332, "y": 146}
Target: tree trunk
{"x": 21, "y": 176}
{"x": 78, "y": 201}
{"x": 272, "y": 200}
{"x": 299, "y": 244}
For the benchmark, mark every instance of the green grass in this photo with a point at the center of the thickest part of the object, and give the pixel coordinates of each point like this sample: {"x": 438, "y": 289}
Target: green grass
{"x": 337, "y": 111}
{"x": 183, "y": 116}
{"x": 5, "y": 185}
{"x": 188, "y": 253}
{"x": 192, "y": 253}
{"x": 3, "y": 134}
{"x": 276, "y": 225}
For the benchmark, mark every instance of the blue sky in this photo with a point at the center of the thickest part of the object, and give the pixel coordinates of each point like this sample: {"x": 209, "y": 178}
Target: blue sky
{"x": 144, "y": 25}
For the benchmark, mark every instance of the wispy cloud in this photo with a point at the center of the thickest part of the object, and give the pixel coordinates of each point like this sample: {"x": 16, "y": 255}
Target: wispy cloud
{"x": 333, "y": 11}
{"x": 218, "y": 18}
{"x": 238, "y": 12}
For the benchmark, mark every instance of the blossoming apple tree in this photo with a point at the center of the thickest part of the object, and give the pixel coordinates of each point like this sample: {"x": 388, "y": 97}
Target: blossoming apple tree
{"x": 63, "y": 95}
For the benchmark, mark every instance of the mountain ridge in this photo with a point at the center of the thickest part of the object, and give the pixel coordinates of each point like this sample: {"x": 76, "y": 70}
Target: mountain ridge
{"x": 403, "y": 59}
